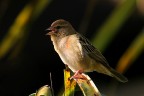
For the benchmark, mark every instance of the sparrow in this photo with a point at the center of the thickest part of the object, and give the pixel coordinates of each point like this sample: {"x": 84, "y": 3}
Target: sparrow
{"x": 77, "y": 52}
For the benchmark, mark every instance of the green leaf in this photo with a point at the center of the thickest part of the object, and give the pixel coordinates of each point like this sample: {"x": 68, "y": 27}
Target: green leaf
{"x": 111, "y": 26}
{"x": 33, "y": 94}
{"x": 44, "y": 91}
{"x": 87, "y": 86}
{"x": 69, "y": 84}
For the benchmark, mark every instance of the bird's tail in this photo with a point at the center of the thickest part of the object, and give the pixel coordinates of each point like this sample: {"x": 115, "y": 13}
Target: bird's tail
{"x": 118, "y": 76}
{"x": 111, "y": 72}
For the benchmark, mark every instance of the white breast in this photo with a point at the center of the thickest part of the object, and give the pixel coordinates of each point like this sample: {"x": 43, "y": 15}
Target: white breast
{"x": 69, "y": 50}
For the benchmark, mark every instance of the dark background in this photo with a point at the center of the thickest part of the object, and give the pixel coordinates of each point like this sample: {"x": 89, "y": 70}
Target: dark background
{"x": 30, "y": 70}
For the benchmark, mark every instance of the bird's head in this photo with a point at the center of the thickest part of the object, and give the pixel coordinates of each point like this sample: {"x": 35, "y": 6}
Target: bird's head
{"x": 60, "y": 28}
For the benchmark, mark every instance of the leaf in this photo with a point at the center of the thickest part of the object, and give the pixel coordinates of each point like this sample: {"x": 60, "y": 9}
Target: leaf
{"x": 87, "y": 86}
{"x": 132, "y": 53}
{"x": 44, "y": 91}
{"x": 33, "y": 94}
{"x": 69, "y": 84}
{"x": 18, "y": 31}
{"x": 111, "y": 26}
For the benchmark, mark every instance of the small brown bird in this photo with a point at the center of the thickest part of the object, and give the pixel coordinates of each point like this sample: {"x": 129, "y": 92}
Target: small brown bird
{"x": 77, "y": 52}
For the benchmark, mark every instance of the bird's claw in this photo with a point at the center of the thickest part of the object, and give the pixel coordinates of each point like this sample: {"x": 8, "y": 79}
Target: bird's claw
{"x": 78, "y": 75}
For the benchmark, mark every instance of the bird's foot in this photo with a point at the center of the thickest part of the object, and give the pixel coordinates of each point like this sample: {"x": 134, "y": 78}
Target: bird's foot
{"x": 78, "y": 75}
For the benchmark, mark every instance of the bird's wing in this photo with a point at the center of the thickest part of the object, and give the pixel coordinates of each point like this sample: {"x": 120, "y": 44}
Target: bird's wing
{"x": 91, "y": 51}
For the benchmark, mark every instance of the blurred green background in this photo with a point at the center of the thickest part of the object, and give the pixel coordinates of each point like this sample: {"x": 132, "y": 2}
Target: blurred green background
{"x": 115, "y": 27}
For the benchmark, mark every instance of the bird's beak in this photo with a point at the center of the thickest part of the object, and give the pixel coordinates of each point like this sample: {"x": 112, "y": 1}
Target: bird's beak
{"x": 51, "y": 31}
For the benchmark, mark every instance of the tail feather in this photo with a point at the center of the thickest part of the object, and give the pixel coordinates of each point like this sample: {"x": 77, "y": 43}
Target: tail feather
{"x": 118, "y": 76}
{"x": 110, "y": 71}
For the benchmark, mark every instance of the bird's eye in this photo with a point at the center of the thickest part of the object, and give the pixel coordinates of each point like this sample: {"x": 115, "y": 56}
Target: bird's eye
{"x": 58, "y": 27}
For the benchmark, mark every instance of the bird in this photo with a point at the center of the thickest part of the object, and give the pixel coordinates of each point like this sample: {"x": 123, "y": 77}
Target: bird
{"x": 77, "y": 52}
